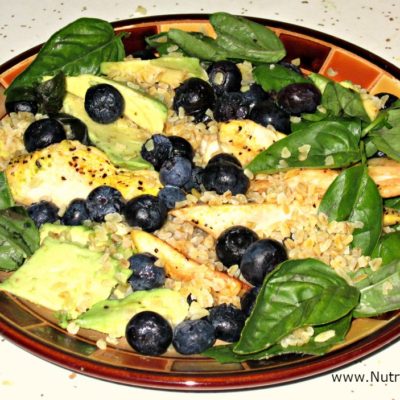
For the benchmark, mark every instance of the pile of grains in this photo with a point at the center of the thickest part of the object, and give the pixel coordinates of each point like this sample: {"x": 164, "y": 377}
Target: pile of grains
{"x": 12, "y": 127}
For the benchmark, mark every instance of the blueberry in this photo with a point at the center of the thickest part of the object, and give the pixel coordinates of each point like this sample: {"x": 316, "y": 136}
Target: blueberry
{"x": 225, "y": 176}
{"x": 145, "y": 54}
{"x": 22, "y": 106}
{"x": 157, "y": 150}
{"x": 104, "y": 103}
{"x": 261, "y": 258}
{"x": 43, "y": 133}
{"x": 181, "y": 147}
{"x": 78, "y": 129}
{"x": 145, "y": 274}
{"x": 76, "y": 213}
{"x": 102, "y": 201}
{"x": 149, "y": 333}
{"x": 255, "y": 95}
{"x": 231, "y": 106}
{"x": 195, "y": 96}
{"x": 170, "y": 195}
{"x": 232, "y": 243}
{"x": 391, "y": 98}
{"x": 298, "y": 98}
{"x": 43, "y": 212}
{"x": 176, "y": 171}
{"x": 195, "y": 180}
{"x": 222, "y": 158}
{"x": 22, "y": 100}
{"x": 228, "y": 322}
{"x": 248, "y": 300}
{"x": 146, "y": 211}
{"x": 268, "y": 113}
{"x": 224, "y": 76}
{"x": 291, "y": 66}
{"x": 193, "y": 336}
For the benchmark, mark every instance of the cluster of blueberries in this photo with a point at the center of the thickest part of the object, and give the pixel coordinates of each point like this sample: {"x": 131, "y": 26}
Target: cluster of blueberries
{"x": 226, "y": 100}
{"x": 149, "y": 333}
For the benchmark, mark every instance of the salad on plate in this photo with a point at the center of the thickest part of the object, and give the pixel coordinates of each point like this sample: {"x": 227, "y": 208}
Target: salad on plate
{"x": 201, "y": 196}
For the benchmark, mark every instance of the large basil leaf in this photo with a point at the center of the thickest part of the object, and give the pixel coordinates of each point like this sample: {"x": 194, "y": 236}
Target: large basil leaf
{"x": 237, "y": 38}
{"x": 19, "y": 238}
{"x": 332, "y": 145}
{"x": 78, "y": 48}
{"x": 388, "y": 248}
{"x": 6, "y": 199}
{"x": 354, "y": 125}
{"x": 353, "y": 196}
{"x": 297, "y": 293}
{"x": 380, "y": 291}
{"x": 225, "y": 353}
{"x": 276, "y": 77}
{"x": 246, "y": 39}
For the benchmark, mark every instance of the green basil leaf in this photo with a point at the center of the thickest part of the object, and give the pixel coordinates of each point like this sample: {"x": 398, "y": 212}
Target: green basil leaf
{"x": 50, "y": 94}
{"x": 332, "y": 145}
{"x": 297, "y": 293}
{"x": 161, "y": 42}
{"x": 354, "y": 125}
{"x": 340, "y": 100}
{"x": 393, "y": 203}
{"x": 201, "y": 47}
{"x": 379, "y": 291}
{"x": 353, "y": 196}
{"x": 6, "y": 199}
{"x": 78, "y": 48}
{"x": 248, "y": 39}
{"x": 225, "y": 353}
{"x": 276, "y": 77}
{"x": 387, "y": 138}
{"x": 388, "y": 141}
{"x": 388, "y": 248}
{"x": 19, "y": 238}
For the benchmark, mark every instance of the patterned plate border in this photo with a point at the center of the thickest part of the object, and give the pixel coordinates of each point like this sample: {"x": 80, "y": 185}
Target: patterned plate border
{"x": 35, "y": 330}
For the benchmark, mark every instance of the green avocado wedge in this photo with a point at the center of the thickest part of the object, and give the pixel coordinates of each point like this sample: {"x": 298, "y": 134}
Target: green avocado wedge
{"x": 112, "y": 316}
{"x": 121, "y": 140}
{"x": 65, "y": 277}
{"x": 168, "y": 69}
{"x": 144, "y": 110}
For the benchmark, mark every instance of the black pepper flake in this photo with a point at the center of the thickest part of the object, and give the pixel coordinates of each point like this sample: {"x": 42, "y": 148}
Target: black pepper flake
{"x": 25, "y": 162}
{"x": 156, "y": 251}
{"x": 140, "y": 183}
{"x": 37, "y": 163}
{"x": 104, "y": 175}
{"x": 63, "y": 178}
{"x": 72, "y": 148}
{"x": 106, "y": 307}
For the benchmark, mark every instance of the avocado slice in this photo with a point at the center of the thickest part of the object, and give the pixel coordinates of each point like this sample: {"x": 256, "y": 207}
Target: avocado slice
{"x": 167, "y": 69}
{"x": 74, "y": 234}
{"x": 65, "y": 277}
{"x": 112, "y": 316}
{"x": 144, "y": 110}
{"x": 121, "y": 140}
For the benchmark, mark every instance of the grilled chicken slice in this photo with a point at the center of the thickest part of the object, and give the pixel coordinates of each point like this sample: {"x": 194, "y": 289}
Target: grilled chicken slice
{"x": 196, "y": 278}
{"x": 245, "y": 139}
{"x": 385, "y": 172}
{"x": 215, "y": 219}
{"x": 68, "y": 170}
